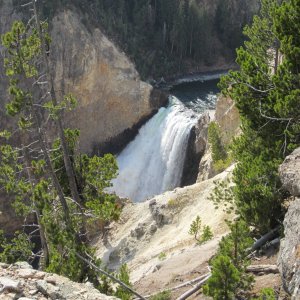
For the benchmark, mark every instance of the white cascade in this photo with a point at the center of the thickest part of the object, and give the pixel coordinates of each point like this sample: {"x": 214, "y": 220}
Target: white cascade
{"x": 152, "y": 163}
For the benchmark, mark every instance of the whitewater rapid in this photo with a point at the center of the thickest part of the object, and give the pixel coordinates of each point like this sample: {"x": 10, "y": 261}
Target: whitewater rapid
{"x": 153, "y": 162}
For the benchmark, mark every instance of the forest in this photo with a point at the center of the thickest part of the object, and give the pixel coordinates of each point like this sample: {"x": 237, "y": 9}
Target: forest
{"x": 167, "y": 37}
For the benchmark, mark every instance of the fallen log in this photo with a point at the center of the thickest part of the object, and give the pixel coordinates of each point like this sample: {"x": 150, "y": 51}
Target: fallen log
{"x": 194, "y": 289}
{"x": 265, "y": 238}
{"x": 190, "y": 282}
{"x": 267, "y": 269}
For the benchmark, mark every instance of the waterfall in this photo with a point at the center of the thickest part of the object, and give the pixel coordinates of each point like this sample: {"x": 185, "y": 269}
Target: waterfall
{"x": 152, "y": 163}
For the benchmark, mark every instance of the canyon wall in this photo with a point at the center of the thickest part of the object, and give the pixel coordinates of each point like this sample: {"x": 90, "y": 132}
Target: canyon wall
{"x": 111, "y": 97}
{"x": 112, "y": 100}
{"x": 227, "y": 117}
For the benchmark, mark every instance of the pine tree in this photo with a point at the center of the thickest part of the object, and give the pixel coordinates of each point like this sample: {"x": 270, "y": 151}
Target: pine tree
{"x": 224, "y": 280}
{"x": 267, "y": 96}
{"x": 229, "y": 276}
{"x": 49, "y": 178}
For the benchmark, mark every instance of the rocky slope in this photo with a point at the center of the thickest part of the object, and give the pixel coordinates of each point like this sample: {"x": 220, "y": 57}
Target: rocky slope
{"x": 152, "y": 237}
{"x": 289, "y": 256}
{"x": 20, "y": 281}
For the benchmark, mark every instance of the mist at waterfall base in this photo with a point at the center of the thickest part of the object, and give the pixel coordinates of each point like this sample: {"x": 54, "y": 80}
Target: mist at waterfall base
{"x": 153, "y": 162}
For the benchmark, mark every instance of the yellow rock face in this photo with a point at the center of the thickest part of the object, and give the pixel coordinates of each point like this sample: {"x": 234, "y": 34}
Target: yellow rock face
{"x": 111, "y": 97}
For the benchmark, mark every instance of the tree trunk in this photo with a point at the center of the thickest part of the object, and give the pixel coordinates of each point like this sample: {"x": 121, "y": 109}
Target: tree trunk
{"x": 265, "y": 238}
{"x": 37, "y": 212}
{"x": 65, "y": 150}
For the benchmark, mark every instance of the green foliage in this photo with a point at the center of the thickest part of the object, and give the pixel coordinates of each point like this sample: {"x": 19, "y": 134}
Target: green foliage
{"x": 222, "y": 195}
{"x": 237, "y": 243}
{"x": 68, "y": 103}
{"x": 165, "y": 37}
{"x": 229, "y": 265}
{"x": 35, "y": 174}
{"x": 266, "y": 294}
{"x": 221, "y": 159}
{"x": 162, "y": 256}
{"x": 195, "y": 229}
{"x": 165, "y": 295}
{"x": 266, "y": 93}
{"x": 123, "y": 275}
{"x": 214, "y": 138}
{"x": 206, "y": 234}
{"x": 224, "y": 281}
{"x": 19, "y": 248}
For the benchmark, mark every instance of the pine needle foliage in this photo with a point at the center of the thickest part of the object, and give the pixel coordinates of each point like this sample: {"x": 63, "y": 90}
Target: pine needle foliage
{"x": 41, "y": 168}
{"x": 266, "y": 92}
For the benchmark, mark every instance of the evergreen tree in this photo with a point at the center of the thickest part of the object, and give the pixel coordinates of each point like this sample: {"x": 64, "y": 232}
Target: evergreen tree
{"x": 64, "y": 189}
{"x": 229, "y": 276}
{"x": 267, "y": 96}
{"x": 224, "y": 280}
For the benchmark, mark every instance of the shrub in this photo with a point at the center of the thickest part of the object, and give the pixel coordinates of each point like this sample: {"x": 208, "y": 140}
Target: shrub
{"x": 206, "y": 234}
{"x": 266, "y": 294}
{"x": 195, "y": 229}
{"x": 224, "y": 280}
{"x": 165, "y": 295}
{"x": 162, "y": 256}
{"x": 19, "y": 248}
{"x": 214, "y": 138}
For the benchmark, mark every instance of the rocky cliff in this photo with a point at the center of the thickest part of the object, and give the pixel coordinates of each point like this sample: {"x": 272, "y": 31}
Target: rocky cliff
{"x": 153, "y": 238}
{"x": 112, "y": 100}
{"x": 289, "y": 256}
{"x": 227, "y": 117}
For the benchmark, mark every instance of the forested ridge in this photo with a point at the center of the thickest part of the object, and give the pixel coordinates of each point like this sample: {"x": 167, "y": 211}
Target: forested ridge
{"x": 167, "y": 37}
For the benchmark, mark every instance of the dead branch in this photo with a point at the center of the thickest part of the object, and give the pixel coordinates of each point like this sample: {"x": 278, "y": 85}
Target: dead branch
{"x": 91, "y": 264}
{"x": 190, "y": 282}
{"x": 194, "y": 289}
{"x": 264, "y": 239}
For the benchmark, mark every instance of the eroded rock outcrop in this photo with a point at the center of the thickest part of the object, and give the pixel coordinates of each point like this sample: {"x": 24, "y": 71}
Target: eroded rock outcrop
{"x": 289, "y": 256}
{"x": 112, "y": 100}
{"x": 196, "y": 148}
{"x": 228, "y": 118}
{"x": 20, "y": 281}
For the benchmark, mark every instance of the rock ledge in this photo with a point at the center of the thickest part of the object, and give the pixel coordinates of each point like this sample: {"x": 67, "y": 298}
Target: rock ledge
{"x": 20, "y": 281}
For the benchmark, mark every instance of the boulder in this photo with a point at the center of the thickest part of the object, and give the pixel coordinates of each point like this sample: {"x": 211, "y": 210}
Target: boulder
{"x": 289, "y": 255}
{"x": 290, "y": 173}
{"x": 24, "y": 283}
